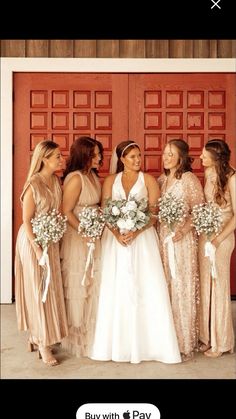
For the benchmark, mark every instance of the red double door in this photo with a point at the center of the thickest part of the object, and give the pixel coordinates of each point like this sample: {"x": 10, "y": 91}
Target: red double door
{"x": 147, "y": 108}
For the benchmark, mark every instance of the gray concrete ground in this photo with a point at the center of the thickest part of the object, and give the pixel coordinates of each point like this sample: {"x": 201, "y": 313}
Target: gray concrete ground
{"x": 16, "y": 362}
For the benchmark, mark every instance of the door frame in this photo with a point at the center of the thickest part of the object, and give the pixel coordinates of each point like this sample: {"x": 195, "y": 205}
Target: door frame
{"x": 70, "y": 65}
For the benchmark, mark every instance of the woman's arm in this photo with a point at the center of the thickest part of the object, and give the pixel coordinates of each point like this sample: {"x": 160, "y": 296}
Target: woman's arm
{"x": 194, "y": 196}
{"x": 28, "y": 214}
{"x": 71, "y": 193}
{"x": 231, "y": 225}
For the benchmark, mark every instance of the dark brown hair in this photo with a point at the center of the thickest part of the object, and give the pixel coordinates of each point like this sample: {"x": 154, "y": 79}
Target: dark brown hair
{"x": 185, "y": 160}
{"x": 81, "y": 154}
{"x": 220, "y": 154}
{"x": 120, "y": 152}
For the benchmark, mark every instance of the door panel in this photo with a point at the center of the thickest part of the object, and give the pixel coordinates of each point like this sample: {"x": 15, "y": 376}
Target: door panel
{"x": 195, "y": 107}
{"x": 148, "y": 108}
{"x": 63, "y": 107}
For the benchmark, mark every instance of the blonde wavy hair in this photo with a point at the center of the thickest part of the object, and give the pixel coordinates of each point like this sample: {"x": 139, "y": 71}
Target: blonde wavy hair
{"x": 43, "y": 150}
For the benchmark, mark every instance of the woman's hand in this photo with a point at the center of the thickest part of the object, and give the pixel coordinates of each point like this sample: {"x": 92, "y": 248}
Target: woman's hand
{"x": 38, "y": 253}
{"x": 215, "y": 241}
{"x": 178, "y": 236}
{"x": 125, "y": 239}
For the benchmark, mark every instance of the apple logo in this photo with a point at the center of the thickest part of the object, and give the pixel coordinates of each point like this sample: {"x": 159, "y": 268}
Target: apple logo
{"x": 126, "y": 415}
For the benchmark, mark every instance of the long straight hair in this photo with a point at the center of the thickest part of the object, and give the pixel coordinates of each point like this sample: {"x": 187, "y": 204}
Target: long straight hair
{"x": 220, "y": 153}
{"x": 43, "y": 150}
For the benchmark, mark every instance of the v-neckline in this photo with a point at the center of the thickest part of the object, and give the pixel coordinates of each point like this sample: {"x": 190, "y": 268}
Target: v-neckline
{"x": 92, "y": 182}
{"x": 127, "y": 197}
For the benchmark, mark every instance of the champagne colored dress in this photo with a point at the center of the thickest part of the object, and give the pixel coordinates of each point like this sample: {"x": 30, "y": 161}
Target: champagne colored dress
{"x": 184, "y": 289}
{"x": 47, "y": 321}
{"x": 216, "y": 325}
{"x": 134, "y": 320}
{"x": 81, "y": 300}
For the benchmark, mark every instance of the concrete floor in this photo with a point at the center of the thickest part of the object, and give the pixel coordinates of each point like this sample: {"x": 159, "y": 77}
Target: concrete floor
{"x": 16, "y": 362}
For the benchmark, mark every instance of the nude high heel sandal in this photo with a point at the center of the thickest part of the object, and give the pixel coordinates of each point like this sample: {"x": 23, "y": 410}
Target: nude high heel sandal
{"x": 45, "y": 354}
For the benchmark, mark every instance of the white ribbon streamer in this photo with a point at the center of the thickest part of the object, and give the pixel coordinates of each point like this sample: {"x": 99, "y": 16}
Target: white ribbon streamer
{"x": 90, "y": 260}
{"x": 44, "y": 260}
{"x": 171, "y": 253}
{"x": 210, "y": 251}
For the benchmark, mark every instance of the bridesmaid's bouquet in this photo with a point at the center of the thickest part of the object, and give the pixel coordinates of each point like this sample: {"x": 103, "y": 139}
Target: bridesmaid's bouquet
{"x": 91, "y": 225}
{"x": 207, "y": 219}
{"x": 172, "y": 211}
{"x": 127, "y": 214}
{"x": 49, "y": 228}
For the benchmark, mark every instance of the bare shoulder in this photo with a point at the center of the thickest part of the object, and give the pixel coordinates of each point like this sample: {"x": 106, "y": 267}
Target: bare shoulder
{"x": 149, "y": 178}
{"x": 232, "y": 180}
{"x": 74, "y": 181}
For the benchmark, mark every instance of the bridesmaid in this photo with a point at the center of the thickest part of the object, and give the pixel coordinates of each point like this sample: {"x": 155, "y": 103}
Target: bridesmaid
{"x": 216, "y": 325}
{"x": 179, "y": 180}
{"x": 81, "y": 188}
{"x": 46, "y": 322}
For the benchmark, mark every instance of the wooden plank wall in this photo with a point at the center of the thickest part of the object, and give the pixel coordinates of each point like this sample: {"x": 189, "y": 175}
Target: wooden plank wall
{"x": 119, "y": 48}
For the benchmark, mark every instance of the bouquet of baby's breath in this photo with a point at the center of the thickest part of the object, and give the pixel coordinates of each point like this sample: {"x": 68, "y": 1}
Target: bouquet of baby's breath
{"x": 172, "y": 210}
{"x": 49, "y": 228}
{"x": 92, "y": 223}
{"x": 207, "y": 219}
{"x": 91, "y": 226}
{"x": 127, "y": 214}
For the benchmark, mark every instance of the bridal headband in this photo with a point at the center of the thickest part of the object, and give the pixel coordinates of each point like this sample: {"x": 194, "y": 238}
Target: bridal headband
{"x": 129, "y": 145}
{"x": 114, "y": 158}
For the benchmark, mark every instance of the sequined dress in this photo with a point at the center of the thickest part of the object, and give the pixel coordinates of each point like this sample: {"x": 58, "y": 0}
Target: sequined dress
{"x": 216, "y": 325}
{"x": 184, "y": 289}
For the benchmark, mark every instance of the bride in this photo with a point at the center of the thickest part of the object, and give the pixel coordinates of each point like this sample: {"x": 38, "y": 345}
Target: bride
{"x": 134, "y": 318}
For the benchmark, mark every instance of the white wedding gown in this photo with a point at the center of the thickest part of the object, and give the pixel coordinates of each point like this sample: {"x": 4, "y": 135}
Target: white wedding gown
{"x": 134, "y": 319}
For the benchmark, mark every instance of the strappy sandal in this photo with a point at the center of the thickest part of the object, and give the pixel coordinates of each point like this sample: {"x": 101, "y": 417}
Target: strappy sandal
{"x": 45, "y": 354}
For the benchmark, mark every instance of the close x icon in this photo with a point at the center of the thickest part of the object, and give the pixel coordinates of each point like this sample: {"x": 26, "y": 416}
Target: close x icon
{"x": 215, "y": 4}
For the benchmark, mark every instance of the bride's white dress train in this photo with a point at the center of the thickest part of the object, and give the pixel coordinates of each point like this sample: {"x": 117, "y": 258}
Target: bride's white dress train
{"x": 134, "y": 318}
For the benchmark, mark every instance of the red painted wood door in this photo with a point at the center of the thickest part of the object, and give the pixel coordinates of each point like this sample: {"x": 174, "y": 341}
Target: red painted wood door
{"x": 195, "y": 107}
{"x": 63, "y": 107}
{"x": 149, "y": 108}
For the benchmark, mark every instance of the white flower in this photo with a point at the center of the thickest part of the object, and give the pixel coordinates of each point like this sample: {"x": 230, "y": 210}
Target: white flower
{"x": 132, "y": 214}
{"x": 121, "y": 223}
{"x": 171, "y": 210}
{"x": 48, "y": 227}
{"x": 129, "y": 224}
{"x": 115, "y": 210}
{"x": 92, "y": 223}
{"x": 207, "y": 219}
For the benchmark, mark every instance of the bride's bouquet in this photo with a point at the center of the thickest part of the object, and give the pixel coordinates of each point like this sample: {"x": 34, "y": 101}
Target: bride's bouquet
{"x": 172, "y": 211}
{"x": 127, "y": 214}
{"x": 207, "y": 219}
{"x": 91, "y": 226}
{"x": 49, "y": 228}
